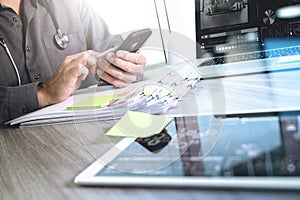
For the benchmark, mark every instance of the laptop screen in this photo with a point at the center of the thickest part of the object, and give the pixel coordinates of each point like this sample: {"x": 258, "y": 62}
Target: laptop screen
{"x": 235, "y": 27}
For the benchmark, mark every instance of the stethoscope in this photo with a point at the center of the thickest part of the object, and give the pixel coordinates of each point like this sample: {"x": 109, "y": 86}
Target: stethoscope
{"x": 3, "y": 43}
{"x": 60, "y": 39}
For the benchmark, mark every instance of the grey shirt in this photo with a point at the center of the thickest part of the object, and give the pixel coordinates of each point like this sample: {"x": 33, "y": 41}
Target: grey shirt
{"x": 29, "y": 37}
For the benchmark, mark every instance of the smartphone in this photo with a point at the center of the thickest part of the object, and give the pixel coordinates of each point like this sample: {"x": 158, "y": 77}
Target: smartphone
{"x": 135, "y": 40}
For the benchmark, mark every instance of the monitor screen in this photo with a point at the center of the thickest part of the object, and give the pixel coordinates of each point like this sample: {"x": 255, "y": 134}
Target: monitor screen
{"x": 223, "y": 25}
{"x": 214, "y": 16}
{"x": 220, "y": 13}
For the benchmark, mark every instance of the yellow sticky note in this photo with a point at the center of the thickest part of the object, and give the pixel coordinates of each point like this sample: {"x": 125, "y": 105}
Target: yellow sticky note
{"x": 94, "y": 102}
{"x": 137, "y": 124}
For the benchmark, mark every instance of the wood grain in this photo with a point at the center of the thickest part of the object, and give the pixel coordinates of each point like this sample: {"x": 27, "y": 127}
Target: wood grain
{"x": 41, "y": 162}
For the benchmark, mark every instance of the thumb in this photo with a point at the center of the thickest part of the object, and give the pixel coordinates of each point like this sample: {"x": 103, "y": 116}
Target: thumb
{"x": 83, "y": 72}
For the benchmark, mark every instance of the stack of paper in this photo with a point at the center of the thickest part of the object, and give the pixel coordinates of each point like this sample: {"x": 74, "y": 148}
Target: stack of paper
{"x": 154, "y": 96}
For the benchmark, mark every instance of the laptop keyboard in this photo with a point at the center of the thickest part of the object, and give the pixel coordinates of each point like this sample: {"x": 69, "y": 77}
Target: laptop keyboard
{"x": 290, "y": 51}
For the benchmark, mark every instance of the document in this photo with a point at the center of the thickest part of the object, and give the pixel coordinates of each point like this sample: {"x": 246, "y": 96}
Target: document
{"x": 161, "y": 90}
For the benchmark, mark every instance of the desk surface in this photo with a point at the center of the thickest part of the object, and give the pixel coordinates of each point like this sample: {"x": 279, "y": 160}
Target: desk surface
{"x": 41, "y": 162}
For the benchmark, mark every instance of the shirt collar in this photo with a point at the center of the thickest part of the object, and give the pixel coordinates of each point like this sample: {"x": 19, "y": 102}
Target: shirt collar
{"x": 2, "y": 6}
{"x": 34, "y": 2}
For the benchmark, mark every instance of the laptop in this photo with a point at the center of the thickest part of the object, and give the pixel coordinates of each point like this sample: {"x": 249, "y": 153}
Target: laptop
{"x": 242, "y": 151}
{"x": 239, "y": 37}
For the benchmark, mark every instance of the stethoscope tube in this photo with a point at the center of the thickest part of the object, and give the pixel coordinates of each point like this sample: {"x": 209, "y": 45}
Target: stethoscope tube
{"x": 3, "y": 43}
{"x": 61, "y": 40}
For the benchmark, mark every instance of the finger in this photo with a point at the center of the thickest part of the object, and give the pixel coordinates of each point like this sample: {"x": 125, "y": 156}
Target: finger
{"x": 110, "y": 79}
{"x": 128, "y": 77}
{"x": 125, "y": 65}
{"x": 83, "y": 73}
{"x": 72, "y": 57}
{"x": 103, "y": 64}
{"x": 92, "y": 53}
{"x": 119, "y": 74}
{"x": 86, "y": 60}
{"x": 96, "y": 55}
{"x": 136, "y": 58}
{"x": 91, "y": 64}
{"x": 110, "y": 69}
{"x": 77, "y": 71}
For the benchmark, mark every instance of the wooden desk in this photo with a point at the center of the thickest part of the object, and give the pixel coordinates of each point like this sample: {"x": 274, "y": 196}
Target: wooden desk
{"x": 41, "y": 162}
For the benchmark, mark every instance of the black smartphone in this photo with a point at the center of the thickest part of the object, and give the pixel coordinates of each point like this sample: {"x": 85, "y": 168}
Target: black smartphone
{"x": 135, "y": 40}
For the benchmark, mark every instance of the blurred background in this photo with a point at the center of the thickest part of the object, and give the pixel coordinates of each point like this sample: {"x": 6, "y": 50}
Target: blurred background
{"x": 126, "y": 16}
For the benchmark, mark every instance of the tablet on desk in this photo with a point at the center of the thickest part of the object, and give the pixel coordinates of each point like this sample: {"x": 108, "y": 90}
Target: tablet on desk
{"x": 241, "y": 151}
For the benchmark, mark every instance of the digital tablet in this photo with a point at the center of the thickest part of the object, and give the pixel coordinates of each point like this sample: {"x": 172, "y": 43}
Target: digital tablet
{"x": 257, "y": 151}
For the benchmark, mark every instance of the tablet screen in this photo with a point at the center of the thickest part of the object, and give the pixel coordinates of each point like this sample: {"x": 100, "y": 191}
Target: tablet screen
{"x": 247, "y": 146}
{"x": 258, "y": 151}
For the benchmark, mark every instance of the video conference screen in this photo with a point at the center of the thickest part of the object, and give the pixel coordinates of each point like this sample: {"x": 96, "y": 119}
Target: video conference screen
{"x": 223, "y": 13}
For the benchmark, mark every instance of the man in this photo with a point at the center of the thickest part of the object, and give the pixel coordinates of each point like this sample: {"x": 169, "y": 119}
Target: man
{"x": 37, "y": 72}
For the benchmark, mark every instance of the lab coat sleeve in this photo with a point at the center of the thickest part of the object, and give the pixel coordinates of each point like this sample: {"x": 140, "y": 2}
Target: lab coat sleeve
{"x": 17, "y": 101}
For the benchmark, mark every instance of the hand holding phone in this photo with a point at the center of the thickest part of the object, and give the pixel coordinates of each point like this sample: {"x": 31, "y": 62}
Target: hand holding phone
{"x": 123, "y": 69}
{"x": 135, "y": 40}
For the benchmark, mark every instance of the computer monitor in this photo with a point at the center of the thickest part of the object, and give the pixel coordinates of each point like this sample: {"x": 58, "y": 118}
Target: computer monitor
{"x": 224, "y": 15}
{"x": 223, "y": 25}
{"x": 230, "y": 27}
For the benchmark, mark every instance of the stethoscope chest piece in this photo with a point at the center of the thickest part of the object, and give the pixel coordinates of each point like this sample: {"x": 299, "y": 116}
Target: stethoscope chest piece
{"x": 61, "y": 40}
